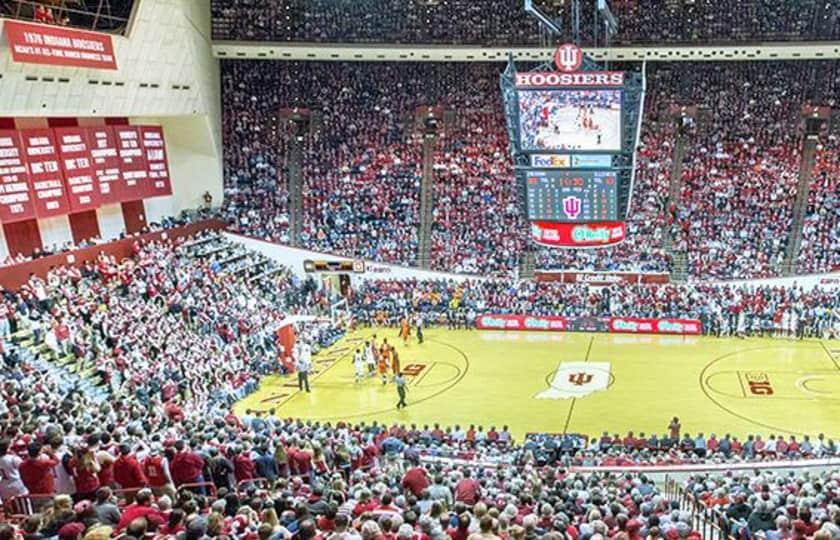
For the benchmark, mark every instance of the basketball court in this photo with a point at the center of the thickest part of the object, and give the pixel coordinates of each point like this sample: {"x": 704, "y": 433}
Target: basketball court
{"x": 577, "y": 382}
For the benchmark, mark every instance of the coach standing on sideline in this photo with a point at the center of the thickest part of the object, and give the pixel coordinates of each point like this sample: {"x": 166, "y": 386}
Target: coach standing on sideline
{"x": 302, "y": 364}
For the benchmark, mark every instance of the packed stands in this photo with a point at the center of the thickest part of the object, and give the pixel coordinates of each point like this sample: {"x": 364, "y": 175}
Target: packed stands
{"x": 771, "y": 504}
{"x": 477, "y": 220}
{"x": 723, "y": 310}
{"x": 820, "y": 248}
{"x": 741, "y": 168}
{"x": 362, "y": 170}
{"x": 504, "y": 22}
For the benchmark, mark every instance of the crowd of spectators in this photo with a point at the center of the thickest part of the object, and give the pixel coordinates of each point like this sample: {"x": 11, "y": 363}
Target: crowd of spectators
{"x": 362, "y": 168}
{"x": 741, "y": 167}
{"x": 184, "y": 218}
{"x": 772, "y": 504}
{"x": 477, "y": 223}
{"x": 724, "y": 310}
{"x": 820, "y": 247}
{"x": 181, "y": 330}
{"x": 504, "y": 22}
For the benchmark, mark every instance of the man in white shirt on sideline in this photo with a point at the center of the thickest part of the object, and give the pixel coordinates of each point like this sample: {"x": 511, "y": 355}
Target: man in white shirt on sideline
{"x": 303, "y": 365}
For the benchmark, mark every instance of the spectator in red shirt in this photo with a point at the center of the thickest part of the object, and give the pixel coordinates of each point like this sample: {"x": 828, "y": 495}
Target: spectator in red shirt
{"x": 186, "y": 466}
{"x": 36, "y": 470}
{"x": 416, "y": 480}
{"x": 243, "y": 466}
{"x": 468, "y": 489}
{"x": 85, "y": 471}
{"x": 127, "y": 470}
{"x": 141, "y": 508}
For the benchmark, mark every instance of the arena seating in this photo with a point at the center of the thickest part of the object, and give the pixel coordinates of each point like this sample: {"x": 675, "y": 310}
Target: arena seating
{"x": 741, "y": 168}
{"x": 477, "y": 221}
{"x": 465, "y": 22}
{"x": 723, "y": 310}
{"x": 119, "y": 376}
{"x": 820, "y": 247}
{"x": 362, "y": 170}
{"x": 771, "y": 504}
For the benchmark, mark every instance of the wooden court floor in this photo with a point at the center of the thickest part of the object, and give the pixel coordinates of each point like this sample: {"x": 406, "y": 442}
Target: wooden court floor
{"x": 578, "y": 383}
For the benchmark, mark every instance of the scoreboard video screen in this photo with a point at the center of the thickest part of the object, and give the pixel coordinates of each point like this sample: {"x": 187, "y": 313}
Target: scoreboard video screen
{"x": 572, "y": 196}
{"x": 570, "y": 119}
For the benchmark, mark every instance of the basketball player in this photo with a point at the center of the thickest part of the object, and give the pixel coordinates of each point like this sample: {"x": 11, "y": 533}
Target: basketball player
{"x": 405, "y": 330}
{"x": 395, "y": 362}
{"x": 384, "y": 360}
{"x": 359, "y": 365}
{"x": 370, "y": 358}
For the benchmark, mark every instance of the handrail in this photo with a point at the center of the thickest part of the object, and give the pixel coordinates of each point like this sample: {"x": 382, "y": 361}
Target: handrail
{"x": 193, "y": 486}
{"x": 116, "y": 22}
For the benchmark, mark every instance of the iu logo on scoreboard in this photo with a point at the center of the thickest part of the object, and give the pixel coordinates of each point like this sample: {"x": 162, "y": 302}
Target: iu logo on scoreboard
{"x": 568, "y": 57}
{"x": 571, "y": 206}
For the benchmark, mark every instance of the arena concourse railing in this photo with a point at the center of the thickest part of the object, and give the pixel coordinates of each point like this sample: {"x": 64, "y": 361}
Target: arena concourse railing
{"x": 100, "y": 15}
{"x": 15, "y": 275}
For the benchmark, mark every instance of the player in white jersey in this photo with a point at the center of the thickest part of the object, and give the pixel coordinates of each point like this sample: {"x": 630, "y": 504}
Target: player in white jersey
{"x": 370, "y": 359}
{"x": 359, "y": 365}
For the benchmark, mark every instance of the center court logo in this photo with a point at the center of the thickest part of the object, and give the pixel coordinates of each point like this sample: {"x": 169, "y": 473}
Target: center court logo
{"x": 568, "y": 57}
{"x": 577, "y": 379}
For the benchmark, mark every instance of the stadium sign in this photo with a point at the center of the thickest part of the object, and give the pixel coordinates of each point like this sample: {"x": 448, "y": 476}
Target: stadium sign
{"x": 568, "y": 57}
{"x": 578, "y": 235}
{"x": 59, "y": 46}
{"x": 538, "y": 79}
{"x": 550, "y": 161}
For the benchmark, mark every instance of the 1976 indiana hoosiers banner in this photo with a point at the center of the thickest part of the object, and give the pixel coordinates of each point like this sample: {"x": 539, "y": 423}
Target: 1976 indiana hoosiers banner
{"x": 53, "y": 45}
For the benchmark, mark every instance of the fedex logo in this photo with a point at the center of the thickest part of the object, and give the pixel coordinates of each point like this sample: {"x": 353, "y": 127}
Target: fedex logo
{"x": 550, "y": 161}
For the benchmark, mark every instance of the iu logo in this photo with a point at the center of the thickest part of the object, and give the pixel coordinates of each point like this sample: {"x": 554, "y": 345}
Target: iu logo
{"x": 580, "y": 378}
{"x": 568, "y": 57}
{"x": 571, "y": 206}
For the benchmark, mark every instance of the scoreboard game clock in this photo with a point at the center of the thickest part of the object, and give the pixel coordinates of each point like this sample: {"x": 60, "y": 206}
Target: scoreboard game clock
{"x": 574, "y": 127}
{"x": 572, "y": 196}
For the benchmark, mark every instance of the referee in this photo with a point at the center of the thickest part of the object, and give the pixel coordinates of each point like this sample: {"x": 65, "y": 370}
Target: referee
{"x": 399, "y": 381}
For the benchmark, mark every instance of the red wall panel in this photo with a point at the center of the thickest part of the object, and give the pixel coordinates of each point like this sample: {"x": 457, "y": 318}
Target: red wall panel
{"x": 22, "y": 237}
{"x": 84, "y": 226}
{"x": 134, "y": 216}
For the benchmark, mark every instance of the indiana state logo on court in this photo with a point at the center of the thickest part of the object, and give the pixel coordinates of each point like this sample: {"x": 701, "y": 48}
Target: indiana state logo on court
{"x": 577, "y": 379}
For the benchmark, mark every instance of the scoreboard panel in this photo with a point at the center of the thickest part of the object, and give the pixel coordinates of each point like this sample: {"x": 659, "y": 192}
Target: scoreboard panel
{"x": 572, "y": 196}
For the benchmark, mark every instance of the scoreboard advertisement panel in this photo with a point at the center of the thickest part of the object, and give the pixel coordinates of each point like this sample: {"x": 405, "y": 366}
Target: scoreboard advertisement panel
{"x": 572, "y": 196}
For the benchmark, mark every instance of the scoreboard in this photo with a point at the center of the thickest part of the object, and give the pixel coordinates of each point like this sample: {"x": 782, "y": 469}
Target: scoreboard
{"x": 572, "y": 196}
{"x": 574, "y": 128}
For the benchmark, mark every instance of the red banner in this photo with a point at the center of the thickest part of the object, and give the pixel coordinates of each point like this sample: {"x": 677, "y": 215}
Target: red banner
{"x": 106, "y": 163}
{"x": 554, "y": 234}
{"x": 59, "y": 46}
{"x": 618, "y": 325}
{"x": 74, "y": 148}
{"x": 133, "y": 170}
{"x": 45, "y": 173}
{"x": 632, "y": 325}
{"x": 154, "y": 151}
{"x": 16, "y": 203}
{"x": 521, "y": 322}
